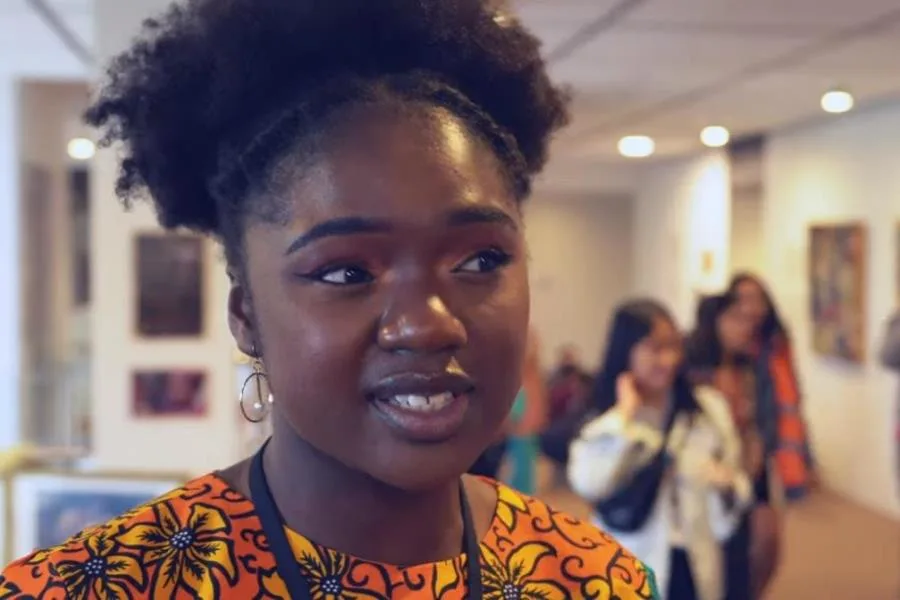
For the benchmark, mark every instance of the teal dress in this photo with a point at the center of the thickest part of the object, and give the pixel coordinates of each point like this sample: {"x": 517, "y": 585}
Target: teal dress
{"x": 522, "y": 451}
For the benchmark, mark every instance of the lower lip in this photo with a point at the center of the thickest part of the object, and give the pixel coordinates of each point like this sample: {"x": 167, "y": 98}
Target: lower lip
{"x": 425, "y": 427}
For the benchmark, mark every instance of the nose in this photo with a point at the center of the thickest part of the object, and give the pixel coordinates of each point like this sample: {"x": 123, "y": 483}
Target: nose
{"x": 425, "y": 325}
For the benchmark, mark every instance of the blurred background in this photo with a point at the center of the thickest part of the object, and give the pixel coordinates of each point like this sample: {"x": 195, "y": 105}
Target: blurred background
{"x": 709, "y": 137}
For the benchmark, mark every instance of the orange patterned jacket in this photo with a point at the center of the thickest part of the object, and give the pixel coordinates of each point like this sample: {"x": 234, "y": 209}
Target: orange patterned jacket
{"x": 205, "y": 541}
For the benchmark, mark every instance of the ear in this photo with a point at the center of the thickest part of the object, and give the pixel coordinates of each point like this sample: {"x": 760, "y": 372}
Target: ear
{"x": 241, "y": 319}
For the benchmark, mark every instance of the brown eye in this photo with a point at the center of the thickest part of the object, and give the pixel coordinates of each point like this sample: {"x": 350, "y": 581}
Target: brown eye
{"x": 487, "y": 261}
{"x": 345, "y": 275}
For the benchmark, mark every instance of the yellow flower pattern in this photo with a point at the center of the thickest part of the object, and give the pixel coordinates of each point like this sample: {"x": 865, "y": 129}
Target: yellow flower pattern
{"x": 514, "y": 577}
{"x": 206, "y": 542}
{"x": 102, "y": 573}
{"x": 187, "y": 552}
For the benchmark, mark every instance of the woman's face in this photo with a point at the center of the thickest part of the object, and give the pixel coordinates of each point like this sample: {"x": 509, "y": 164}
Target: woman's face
{"x": 752, "y": 301}
{"x": 656, "y": 358}
{"x": 734, "y": 328}
{"x": 391, "y": 307}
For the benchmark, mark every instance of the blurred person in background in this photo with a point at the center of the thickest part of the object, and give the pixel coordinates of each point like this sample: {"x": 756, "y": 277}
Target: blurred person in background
{"x": 567, "y": 386}
{"x": 718, "y": 356}
{"x": 778, "y": 389}
{"x": 528, "y": 418}
{"x": 364, "y": 165}
{"x": 662, "y": 464}
{"x": 779, "y": 417}
{"x": 890, "y": 358}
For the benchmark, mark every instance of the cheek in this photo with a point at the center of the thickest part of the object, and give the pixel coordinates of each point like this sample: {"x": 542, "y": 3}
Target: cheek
{"x": 497, "y": 332}
{"x": 309, "y": 344}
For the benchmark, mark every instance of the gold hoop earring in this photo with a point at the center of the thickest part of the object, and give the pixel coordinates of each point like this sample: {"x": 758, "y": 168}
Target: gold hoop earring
{"x": 259, "y": 398}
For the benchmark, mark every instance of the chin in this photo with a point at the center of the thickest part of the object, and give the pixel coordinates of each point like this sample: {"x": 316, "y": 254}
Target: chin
{"x": 423, "y": 469}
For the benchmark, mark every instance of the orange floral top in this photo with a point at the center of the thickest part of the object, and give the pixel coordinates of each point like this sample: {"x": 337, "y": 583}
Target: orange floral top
{"x": 206, "y": 541}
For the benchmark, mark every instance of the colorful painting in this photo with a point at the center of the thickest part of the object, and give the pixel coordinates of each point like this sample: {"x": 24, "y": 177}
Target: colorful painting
{"x": 169, "y": 393}
{"x": 49, "y": 508}
{"x": 837, "y": 280}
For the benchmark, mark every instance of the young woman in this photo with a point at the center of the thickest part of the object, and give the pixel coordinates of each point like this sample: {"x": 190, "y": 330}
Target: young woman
{"x": 779, "y": 418}
{"x": 717, "y": 356}
{"x": 651, "y": 416}
{"x": 778, "y": 390}
{"x": 364, "y": 165}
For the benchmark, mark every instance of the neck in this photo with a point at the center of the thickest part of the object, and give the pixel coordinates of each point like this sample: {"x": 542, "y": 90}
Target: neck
{"x": 654, "y": 398}
{"x": 349, "y": 511}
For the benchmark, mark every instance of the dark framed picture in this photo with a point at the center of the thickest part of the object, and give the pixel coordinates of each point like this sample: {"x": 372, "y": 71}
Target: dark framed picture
{"x": 170, "y": 285}
{"x": 172, "y": 393}
{"x": 79, "y": 197}
{"x": 837, "y": 283}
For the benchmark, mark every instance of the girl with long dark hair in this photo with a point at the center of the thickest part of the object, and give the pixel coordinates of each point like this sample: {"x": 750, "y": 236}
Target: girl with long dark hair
{"x": 717, "y": 356}
{"x": 662, "y": 463}
{"x": 778, "y": 389}
{"x": 785, "y": 437}
{"x": 364, "y": 165}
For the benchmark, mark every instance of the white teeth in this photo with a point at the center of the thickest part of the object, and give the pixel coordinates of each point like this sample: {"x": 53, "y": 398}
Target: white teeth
{"x": 422, "y": 403}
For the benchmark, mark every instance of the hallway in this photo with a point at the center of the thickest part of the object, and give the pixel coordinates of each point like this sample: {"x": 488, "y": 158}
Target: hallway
{"x": 834, "y": 549}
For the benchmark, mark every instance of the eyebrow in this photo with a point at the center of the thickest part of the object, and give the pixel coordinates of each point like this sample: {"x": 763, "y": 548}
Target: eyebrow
{"x": 345, "y": 226}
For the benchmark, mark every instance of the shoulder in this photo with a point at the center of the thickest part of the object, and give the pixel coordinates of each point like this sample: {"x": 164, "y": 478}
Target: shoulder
{"x": 712, "y": 402}
{"x": 549, "y": 553}
{"x": 118, "y": 558}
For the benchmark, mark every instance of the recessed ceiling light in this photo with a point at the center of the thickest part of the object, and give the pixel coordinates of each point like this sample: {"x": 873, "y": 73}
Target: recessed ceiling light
{"x": 636, "y": 146}
{"x": 837, "y": 101}
{"x": 714, "y": 136}
{"x": 81, "y": 149}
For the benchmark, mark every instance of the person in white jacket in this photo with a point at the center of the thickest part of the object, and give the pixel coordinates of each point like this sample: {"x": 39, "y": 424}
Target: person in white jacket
{"x": 703, "y": 491}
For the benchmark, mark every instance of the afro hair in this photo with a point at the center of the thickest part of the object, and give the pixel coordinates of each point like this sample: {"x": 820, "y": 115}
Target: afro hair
{"x": 204, "y": 83}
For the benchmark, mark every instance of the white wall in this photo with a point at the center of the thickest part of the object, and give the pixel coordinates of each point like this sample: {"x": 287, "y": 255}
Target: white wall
{"x": 9, "y": 262}
{"x": 747, "y": 251}
{"x": 683, "y": 211}
{"x": 581, "y": 267}
{"x": 120, "y": 440}
{"x": 45, "y": 110}
{"x": 845, "y": 170}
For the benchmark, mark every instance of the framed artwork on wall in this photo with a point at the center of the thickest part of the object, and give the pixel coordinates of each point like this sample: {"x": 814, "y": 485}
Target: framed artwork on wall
{"x": 170, "y": 285}
{"x": 49, "y": 508}
{"x": 169, "y": 393}
{"x": 897, "y": 266}
{"x": 837, "y": 290}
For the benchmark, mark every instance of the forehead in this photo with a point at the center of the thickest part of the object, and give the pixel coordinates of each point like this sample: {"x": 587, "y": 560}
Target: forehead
{"x": 398, "y": 162}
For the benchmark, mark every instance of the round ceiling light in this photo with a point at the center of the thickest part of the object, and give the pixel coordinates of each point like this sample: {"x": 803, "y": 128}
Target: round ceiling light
{"x": 715, "y": 136}
{"x": 837, "y": 101}
{"x": 636, "y": 146}
{"x": 81, "y": 149}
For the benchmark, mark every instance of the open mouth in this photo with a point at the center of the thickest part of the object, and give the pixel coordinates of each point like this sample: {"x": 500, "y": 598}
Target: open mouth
{"x": 421, "y": 403}
{"x": 423, "y": 407}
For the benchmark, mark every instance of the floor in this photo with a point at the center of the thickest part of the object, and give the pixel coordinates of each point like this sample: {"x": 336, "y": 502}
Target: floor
{"x": 833, "y": 549}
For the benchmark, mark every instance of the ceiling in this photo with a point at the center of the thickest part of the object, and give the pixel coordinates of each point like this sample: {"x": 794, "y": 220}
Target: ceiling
{"x": 668, "y": 68}
{"x": 30, "y": 47}
{"x": 663, "y": 68}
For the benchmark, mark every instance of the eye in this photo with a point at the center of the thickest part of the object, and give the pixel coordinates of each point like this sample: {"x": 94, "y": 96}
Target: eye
{"x": 486, "y": 261}
{"x": 346, "y": 275}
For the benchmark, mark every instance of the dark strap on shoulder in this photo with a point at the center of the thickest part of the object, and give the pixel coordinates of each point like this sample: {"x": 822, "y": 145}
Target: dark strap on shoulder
{"x": 273, "y": 526}
{"x": 286, "y": 563}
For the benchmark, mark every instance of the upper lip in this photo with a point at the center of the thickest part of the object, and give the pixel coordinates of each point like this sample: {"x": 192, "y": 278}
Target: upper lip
{"x": 421, "y": 384}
